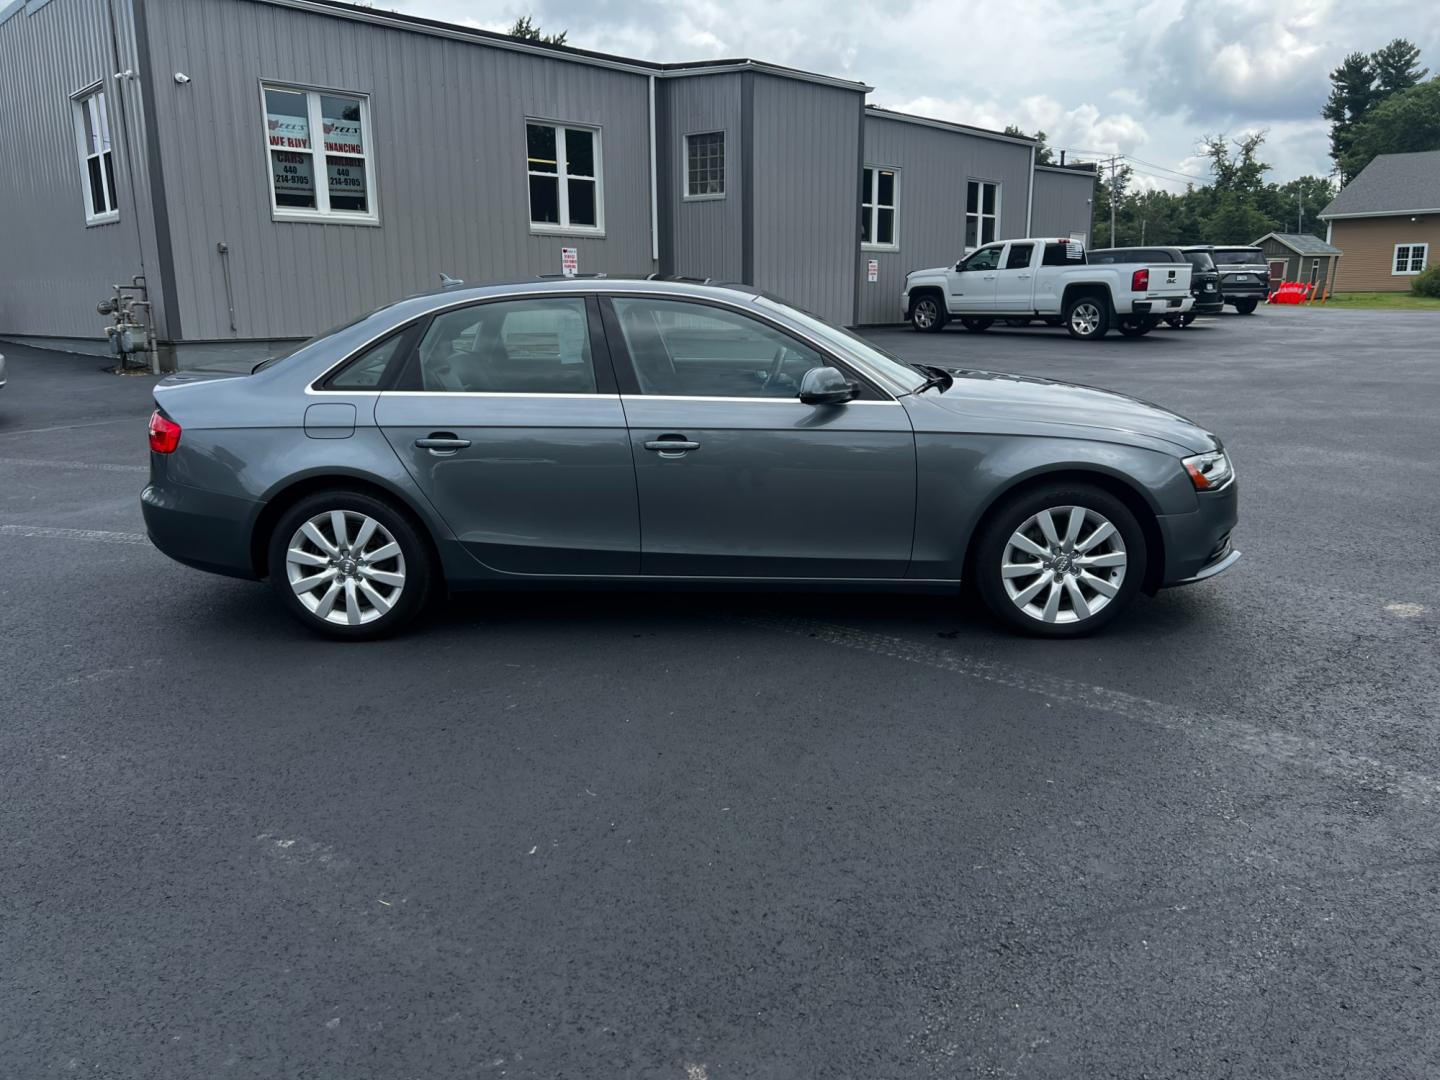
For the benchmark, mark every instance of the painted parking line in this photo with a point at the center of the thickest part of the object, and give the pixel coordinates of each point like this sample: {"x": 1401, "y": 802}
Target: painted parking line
{"x": 99, "y": 536}
{"x": 100, "y": 466}
{"x": 73, "y": 426}
{"x": 1276, "y": 746}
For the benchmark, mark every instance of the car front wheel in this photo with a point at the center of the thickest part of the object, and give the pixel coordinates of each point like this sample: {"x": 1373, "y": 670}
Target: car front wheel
{"x": 926, "y": 314}
{"x": 1060, "y": 561}
{"x": 1087, "y": 317}
{"x": 348, "y": 565}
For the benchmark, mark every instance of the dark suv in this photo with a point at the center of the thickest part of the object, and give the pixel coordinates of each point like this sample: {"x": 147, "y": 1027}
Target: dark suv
{"x": 1204, "y": 278}
{"x": 1244, "y": 276}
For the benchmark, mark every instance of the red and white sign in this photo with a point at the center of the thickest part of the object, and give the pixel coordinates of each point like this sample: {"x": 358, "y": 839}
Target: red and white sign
{"x": 343, "y": 137}
{"x": 569, "y": 261}
{"x": 872, "y": 271}
{"x": 288, "y": 132}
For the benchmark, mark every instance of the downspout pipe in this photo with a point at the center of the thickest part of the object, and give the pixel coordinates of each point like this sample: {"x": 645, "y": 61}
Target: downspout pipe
{"x": 654, "y": 186}
{"x": 1030, "y": 197}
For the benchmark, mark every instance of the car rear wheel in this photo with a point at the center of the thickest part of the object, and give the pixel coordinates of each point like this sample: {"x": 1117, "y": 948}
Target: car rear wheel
{"x": 926, "y": 315}
{"x": 1133, "y": 327}
{"x": 1060, "y": 561}
{"x": 1087, "y": 317}
{"x": 975, "y": 324}
{"x": 1246, "y": 307}
{"x": 349, "y": 566}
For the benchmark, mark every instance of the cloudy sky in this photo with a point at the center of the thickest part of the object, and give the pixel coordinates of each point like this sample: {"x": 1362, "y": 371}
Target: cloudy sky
{"x": 1145, "y": 78}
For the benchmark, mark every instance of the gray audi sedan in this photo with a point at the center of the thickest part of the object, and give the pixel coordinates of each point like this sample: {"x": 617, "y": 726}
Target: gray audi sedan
{"x": 669, "y": 432}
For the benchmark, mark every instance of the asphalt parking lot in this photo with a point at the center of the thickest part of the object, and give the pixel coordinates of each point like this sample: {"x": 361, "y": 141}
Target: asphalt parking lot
{"x": 744, "y": 835}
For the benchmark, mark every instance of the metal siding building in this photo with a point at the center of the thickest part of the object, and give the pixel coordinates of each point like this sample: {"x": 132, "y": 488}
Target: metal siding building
{"x": 935, "y": 162}
{"x": 448, "y": 171}
{"x": 1063, "y": 198}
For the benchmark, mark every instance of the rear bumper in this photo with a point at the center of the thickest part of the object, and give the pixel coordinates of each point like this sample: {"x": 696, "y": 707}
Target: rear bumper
{"x": 201, "y": 529}
{"x": 1198, "y": 545}
{"x": 1241, "y": 290}
{"x": 1163, "y": 305}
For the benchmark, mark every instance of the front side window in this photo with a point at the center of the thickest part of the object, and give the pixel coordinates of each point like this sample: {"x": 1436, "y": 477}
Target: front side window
{"x": 984, "y": 259}
{"x": 320, "y": 155}
{"x": 97, "y": 158}
{"x": 563, "y": 166}
{"x": 705, "y": 165}
{"x": 877, "y": 207}
{"x": 695, "y": 350}
{"x": 509, "y": 347}
{"x": 1410, "y": 258}
{"x": 982, "y": 212}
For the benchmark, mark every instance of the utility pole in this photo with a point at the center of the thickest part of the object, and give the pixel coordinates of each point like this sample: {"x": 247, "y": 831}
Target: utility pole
{"x": 1299, "y": 211}
{"x": 1113, "y": 199}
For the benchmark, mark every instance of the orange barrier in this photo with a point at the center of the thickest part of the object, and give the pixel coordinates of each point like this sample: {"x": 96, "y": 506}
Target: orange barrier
{"x": 1293, "y": 292}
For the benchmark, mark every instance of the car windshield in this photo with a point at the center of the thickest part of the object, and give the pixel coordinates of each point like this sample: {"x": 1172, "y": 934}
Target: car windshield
{"x": 1239, "y": 256}
{"x": 887, "y": 364}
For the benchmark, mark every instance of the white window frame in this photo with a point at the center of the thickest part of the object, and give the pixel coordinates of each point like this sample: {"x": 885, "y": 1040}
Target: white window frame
{"x": 79, "y": 102}
{"x": 874, "y": 206}
{"x": 979, "y": 215}
{"x": 1424, "y": 249}
{"x": 724, "y": 165}
{"x": 321, "y": 212}
{"x": 562, "y": 178}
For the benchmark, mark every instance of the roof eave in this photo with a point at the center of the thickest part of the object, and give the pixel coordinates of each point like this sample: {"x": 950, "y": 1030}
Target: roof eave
{"x": 1325, "y": 214}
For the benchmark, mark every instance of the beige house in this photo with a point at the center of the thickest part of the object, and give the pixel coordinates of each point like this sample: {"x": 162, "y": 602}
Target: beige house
{"x": 1387, "y": 221}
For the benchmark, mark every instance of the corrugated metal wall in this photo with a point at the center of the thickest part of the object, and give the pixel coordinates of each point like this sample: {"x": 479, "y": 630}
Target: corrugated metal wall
{"x": 806, "y": 177}
{"x": 1062, "y": 202}
{"x": 53, "y": 268}
{"x": 935, "y": 165}
{"x": 449, "y": 132}
{"x": 703, "y": 237}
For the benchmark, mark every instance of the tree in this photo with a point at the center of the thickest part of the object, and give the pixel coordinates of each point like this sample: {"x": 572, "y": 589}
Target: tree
{"x": 1408, "y": 121}
{"x": 1043, "y": 154}
{"x": 525, "y": 30}
{"x": 1397, "y": 67}
{"x": 1352, "y": 94}
{"x": 1240, "y": 172}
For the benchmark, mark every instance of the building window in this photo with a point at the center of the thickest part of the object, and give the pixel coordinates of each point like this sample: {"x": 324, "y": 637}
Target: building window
{"x": 1410, "y": 258}
{"x": 347, "y": 191}
{"x": 97, "y": 158}
{"x": 705, "y": 165}
{"x": 982, "y": 212}
{"x": 877, "y": 207}
{"x": 563, "y": 164}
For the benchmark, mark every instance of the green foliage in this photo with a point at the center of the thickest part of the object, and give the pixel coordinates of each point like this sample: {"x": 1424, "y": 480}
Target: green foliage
{"x": 1361, "y": 87}
{"x": 1427, "y": 282}
{"x": 1043, "y": 154}
{"x": 1405, "y": 122}
{"x": 525, "y": 30}
{"x": 1397, "y": 66}
{"x": 1241, "y": 172}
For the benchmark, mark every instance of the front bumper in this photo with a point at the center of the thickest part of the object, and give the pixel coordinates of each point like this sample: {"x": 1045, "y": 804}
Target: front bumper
{"x": 200, "y": 528}
{"x": 1198, "y": 545}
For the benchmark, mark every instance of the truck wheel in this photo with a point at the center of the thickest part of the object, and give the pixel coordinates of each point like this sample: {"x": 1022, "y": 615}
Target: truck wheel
{"x": 1246, "y": 307}
{"x": 1087, "y": 317}
{"x": 975, "y": 325}
{"x": 1133, "y": 327}
{"x": 926, "y": 314}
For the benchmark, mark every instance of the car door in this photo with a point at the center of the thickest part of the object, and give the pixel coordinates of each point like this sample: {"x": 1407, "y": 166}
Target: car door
{"x": 1015, "y": 280}
{"x": 508, "y": 420}
{"x": 1049, "y": 280}
{"x": 736, "y": 476}
{"x": 971, "y": 284}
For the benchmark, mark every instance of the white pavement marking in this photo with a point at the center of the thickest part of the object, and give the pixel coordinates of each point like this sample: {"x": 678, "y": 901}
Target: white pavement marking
{"x": 72, "y": 427}
{"x": 100, "y": 466}
{"x": 1405, "y": 610}
{"x": 1277, "y": 746}
{"x": 95, "y": 535}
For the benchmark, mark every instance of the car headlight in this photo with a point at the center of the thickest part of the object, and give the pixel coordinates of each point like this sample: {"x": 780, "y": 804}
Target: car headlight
{"x": 1209, "y": 472}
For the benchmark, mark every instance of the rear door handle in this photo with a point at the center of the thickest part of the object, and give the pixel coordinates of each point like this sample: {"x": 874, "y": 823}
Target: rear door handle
{"x": 671, "y": 447}
{"x": 441, "y": 443}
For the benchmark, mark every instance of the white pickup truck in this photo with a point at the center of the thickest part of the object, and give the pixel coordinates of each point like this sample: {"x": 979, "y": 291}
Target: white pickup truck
{"x": 1020, "y": 280}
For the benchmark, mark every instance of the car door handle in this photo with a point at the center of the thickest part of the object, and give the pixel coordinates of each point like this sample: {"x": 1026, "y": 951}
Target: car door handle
{"x": 989, "y": 277}
{"x": 441, "y": 442}
{"x": 675, "y": 447}
{"x": 1023, "y": 277}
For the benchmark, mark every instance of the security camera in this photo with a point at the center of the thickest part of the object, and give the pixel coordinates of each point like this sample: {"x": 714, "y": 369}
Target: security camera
{"x": 181, "y": 78}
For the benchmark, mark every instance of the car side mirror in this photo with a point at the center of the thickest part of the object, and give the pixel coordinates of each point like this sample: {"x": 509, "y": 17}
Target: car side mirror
{"x": 826, "y": 386}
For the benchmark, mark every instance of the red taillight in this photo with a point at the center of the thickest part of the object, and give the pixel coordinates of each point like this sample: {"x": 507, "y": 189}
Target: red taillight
{"x": 1140, "y": 281}
{"x": 164, "y": 433}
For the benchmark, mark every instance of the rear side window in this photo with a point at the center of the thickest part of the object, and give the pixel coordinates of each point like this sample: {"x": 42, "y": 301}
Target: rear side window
{"x": 1019, "y": 257}
{"x": 1068, "y": 255}
{"x": 509, "y": 347}
{"x": 366, "y": 371}
{"x": 1200, "y": 260}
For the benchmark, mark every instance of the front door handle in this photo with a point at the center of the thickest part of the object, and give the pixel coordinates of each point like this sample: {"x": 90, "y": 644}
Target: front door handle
{"x": 1023, "y": 277}
{"x": 441, "y": 443}
{"x": 671, "y": 447}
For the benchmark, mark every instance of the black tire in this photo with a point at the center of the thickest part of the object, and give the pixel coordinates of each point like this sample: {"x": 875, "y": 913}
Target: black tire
{"x": 1016, "y": 322}
{"x": 1053, "y": 320}
{"x": 1186, "y": 319}
{"x": 1132, "y": 327}
{"x": 413, "y": 565}
{"x": 1175, "y": 322}
{"x": 1014, "y": 512}
{"x": 1246, "y": 307}
{"x": 927, "y": 313}
{"x": 975, "y": 324}
{"x": 1087, "y": 316}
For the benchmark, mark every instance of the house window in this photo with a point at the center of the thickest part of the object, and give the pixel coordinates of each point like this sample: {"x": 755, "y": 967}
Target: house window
{"x": 329, "y": 181}
{"x": 97, "y": 157}
{"x": 877, "y": 207}
{"x": 982, "y": 212}
{"x": 1410, "y": 258}
{"x": 563, "y": 164}
{"x": 705, "y": 165}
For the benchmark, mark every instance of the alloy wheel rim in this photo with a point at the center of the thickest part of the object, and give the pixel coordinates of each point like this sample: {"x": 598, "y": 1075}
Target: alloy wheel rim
{"x": 345, "y": 567}
{"x": 1064, "y": 564}
{"x": 1085, "y": 318}
{"x": 925, "y": 313}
